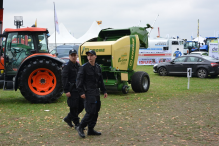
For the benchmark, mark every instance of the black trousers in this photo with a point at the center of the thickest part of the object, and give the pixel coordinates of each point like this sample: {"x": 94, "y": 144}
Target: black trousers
{"x": 76, "y": 104}
{"x": 92, "y": 107}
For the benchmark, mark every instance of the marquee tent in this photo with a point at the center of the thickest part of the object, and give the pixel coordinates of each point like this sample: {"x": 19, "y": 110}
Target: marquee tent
{"x": 63, "y": 38}
{"x": 199, "y": 39}
{"x": 92, "y": 32}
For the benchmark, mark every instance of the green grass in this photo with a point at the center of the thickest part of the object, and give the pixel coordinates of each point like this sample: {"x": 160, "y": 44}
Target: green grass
{"x": 168, "y": 114}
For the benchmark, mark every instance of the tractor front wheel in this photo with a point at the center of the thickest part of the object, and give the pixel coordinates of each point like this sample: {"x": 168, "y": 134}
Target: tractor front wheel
{"x": 140, "y": 81}
{"x": 40, "y": 81}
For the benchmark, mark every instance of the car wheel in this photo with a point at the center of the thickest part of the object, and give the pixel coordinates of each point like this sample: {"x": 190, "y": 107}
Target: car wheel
{"x": 202, "y": 73}
{"x": 162, "y": 71}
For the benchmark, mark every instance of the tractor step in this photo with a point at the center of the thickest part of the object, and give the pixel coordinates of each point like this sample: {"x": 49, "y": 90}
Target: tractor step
{"x": 8, "y": 85}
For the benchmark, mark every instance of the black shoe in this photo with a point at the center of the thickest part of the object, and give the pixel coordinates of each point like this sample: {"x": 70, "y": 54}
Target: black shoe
{"x": 76, "y": 125}
{"x": 80, "y": 131}
{"x": 68, "y": 121}
{"x": 93, "y": 132}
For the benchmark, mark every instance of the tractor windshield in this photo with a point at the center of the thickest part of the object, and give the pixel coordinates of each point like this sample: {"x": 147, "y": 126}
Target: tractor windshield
{"x": 42, "y": 43}
{"x": 191, "y": 44}
{"x": 18, "y": 47}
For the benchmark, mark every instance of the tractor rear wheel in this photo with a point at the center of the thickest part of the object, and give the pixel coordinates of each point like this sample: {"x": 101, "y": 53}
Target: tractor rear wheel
{"x": 140, "y": 81}
{"x": 40, "y": 81}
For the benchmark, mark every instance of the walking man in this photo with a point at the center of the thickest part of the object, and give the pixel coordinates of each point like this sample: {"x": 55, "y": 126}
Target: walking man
{"x": 69, "y": 75}
{"x": 89, "y": 80}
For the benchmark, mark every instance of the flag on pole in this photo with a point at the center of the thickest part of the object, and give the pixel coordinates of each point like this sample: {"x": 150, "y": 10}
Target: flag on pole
{"x": 56, "y": 21}
{"x": 36, "y": 23}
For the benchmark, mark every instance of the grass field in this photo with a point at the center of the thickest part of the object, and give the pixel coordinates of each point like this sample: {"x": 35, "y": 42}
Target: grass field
{"x": 168, "y": 114}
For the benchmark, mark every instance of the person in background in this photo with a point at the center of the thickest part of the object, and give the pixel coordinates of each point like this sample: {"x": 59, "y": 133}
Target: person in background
{"x": 76, "y": 104}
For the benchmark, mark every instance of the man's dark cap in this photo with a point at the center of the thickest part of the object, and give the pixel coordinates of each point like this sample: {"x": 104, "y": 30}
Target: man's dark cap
{"x": 72, "y": 51}
{"x": 91, "y": 51}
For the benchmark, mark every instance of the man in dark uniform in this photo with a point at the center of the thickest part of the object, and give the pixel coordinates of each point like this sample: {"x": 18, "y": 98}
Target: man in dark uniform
{"x": 89, "y": 80}
{"x": 76, "y": 104}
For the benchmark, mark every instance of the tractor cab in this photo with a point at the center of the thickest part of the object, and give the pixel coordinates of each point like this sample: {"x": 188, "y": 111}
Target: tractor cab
{"x": 26, "y": 64}
{"x": 20, "y": 44}
{"x": 207, "y": 41}
{"x": 191, "y": 46}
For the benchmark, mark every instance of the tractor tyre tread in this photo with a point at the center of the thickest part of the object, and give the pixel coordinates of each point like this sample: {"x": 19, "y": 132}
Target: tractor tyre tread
{"x": 23, "y": 81}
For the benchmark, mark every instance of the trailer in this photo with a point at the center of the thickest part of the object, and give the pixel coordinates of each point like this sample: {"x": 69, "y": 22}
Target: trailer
{"x": 161, "y": 50}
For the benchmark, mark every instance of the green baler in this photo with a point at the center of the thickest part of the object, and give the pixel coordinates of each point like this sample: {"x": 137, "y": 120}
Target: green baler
{"x": 117, "y": 54}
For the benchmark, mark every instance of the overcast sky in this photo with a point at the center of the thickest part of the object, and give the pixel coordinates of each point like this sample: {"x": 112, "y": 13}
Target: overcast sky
{"x": 176, "y": 17}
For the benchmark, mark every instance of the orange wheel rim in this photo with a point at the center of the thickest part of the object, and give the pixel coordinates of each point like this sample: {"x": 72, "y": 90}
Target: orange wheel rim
{"x": 42, "y": 81}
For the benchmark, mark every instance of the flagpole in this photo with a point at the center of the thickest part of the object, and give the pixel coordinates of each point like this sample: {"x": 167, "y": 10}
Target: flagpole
{"x": 55, "y": 26}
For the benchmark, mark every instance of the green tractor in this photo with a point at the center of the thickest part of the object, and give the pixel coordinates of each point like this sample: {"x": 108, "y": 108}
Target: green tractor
{"x": 117, "y": 54}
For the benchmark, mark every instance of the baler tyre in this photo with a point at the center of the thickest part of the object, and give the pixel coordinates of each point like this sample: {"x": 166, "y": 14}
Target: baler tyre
{"x": 162, "y": 71}
{"x": 125, "y": 89}
{"x": 40, "y": 81}
{"x": 140, "y": 81}
{"x": 202, "y": 73}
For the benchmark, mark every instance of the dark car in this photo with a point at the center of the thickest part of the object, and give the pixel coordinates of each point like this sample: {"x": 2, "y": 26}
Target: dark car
{"x": 202, "y": 66}
{"x": 63, "y": 51}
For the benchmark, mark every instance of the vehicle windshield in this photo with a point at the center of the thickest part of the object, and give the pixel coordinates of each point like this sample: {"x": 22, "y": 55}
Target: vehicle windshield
{"x": 191, "y": 44}
{"x": 211, "y": 40}
{"x": 18, "y": 47}
{"x": 63, "y": 52}
{"x": 208, "y": 58}
{"x": 42, "y": 46}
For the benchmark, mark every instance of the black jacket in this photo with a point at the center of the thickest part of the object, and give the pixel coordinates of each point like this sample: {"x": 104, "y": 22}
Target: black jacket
{"x": 89, "y": 80}
{"x": 69, "y": 75}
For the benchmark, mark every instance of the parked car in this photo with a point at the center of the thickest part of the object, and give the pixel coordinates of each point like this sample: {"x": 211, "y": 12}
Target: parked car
{"x": 63, "y": 51}
{"x": 202, "y": 66}
{"x": 200, "y": 53}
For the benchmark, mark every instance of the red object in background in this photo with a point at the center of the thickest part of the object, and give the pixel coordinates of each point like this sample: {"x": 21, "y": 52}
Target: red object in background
{"x": 26, "y": 40}
{"x": 16, "y": 41}
{"x": 1, "y": 15}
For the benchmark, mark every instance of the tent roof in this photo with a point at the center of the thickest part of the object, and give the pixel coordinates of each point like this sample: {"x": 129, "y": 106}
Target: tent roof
{"x": 199, "y": 39}
{"x": 92, "y": 32}
{"x": 63, "y": 37}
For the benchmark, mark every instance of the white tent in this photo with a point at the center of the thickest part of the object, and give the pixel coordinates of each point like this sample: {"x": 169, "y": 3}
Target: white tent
{"x": 92, "y": 32}
{"x": 63, "y": 38}
{"x": 199, "y": 39}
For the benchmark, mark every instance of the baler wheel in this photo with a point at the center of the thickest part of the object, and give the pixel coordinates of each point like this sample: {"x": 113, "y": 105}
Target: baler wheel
{"x": 40, "y": 81}
{"x": 140, "y": 81}
{"x": 125, "y": 89}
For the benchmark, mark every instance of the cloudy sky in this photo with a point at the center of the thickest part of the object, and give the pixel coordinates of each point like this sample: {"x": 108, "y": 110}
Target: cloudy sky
{"x": 176, "y": 18}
